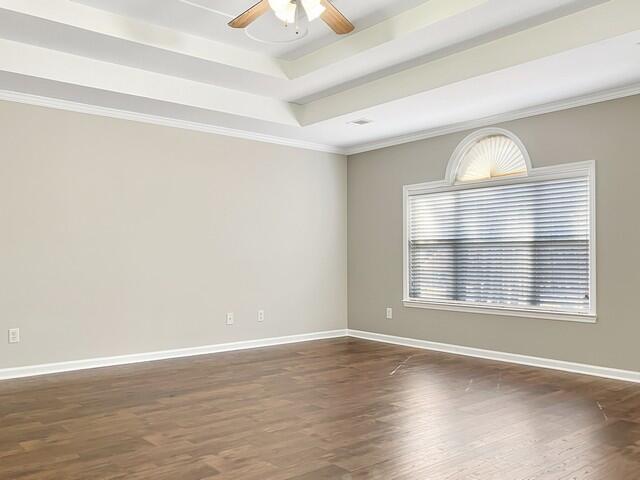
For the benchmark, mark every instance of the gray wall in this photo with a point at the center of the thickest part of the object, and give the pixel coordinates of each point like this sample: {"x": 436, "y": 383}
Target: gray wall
{"x": 608, "y": 133}
{"x": 121, "y": 237}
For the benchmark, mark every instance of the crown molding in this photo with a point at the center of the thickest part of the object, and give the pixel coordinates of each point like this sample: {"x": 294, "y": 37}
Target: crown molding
{"x": 573, "y": 102}
{"x": 78, "y": 107}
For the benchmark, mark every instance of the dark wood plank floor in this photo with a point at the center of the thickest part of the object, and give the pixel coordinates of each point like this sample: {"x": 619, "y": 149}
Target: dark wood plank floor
{"x": 333, "y": 409}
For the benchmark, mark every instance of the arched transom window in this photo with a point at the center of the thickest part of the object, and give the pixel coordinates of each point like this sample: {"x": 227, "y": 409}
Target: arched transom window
{"x": 493, "y": 156}
{"x": 488, "y": 154}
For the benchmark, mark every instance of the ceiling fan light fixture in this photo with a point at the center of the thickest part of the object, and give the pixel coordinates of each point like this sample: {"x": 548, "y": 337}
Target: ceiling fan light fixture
{"x": 288, "y": 13}
{"x": 313, "y": 9}
{"x": 279, "y": 5}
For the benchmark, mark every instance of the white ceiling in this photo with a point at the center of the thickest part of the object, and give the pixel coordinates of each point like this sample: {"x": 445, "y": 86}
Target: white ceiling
{"x": 413, "y": 67}
{"x": 208, "y": 19}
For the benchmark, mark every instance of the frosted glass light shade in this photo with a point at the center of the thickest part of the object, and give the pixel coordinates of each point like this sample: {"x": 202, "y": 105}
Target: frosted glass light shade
{"x": 492, "y": 156}
{"x": 288, "y": 13}
{"x": 313, "y": 9}
{"x": 278, "y": 5}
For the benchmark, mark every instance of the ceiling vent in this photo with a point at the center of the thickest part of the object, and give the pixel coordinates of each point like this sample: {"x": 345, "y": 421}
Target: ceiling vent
{"x": 362, "y": 121}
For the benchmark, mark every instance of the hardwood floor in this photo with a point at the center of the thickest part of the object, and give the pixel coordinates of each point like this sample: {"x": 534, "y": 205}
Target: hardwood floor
{"x": 331, "y": 409}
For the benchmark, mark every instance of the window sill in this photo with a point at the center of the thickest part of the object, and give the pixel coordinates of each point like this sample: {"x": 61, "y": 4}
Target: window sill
{"x": 570, "y": 317}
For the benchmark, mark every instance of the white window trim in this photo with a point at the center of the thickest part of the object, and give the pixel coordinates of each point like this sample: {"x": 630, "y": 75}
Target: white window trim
{"x": 555, "y": 172}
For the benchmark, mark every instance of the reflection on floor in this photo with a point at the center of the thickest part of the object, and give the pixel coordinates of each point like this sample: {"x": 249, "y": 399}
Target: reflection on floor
{"x": 331, "y": 409}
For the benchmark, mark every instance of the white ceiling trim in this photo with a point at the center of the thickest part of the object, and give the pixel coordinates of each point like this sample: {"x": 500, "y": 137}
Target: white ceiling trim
{"x": 577, "y": 30}
{"x": 581, "y": 101}
{"x": 35, "y": 61}
{"x": 399, "y": 27}
{"x": 80, "y": 16}
{"x": 78, "y": 107}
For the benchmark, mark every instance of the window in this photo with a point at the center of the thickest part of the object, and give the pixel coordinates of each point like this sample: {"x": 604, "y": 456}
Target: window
{"x": 491, "y": 157}
{"x": 498, "y": 236}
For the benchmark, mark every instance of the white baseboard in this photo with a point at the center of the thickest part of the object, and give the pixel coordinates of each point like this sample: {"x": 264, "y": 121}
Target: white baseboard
{"x": 33, "y": 370}
{"x": 606, "y": 372}
{"x": 29, "y": 371}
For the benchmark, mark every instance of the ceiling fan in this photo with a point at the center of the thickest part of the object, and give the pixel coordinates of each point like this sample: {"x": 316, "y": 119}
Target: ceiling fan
{"x": 286, "y": 11}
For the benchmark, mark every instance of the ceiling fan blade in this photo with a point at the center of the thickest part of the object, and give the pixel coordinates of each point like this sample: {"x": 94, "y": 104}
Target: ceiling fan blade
{"x": 336, "y": 20}
{"x": 244, "y": 19}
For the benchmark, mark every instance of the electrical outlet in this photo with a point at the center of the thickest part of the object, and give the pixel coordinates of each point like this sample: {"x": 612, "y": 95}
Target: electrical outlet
{"x": 261, "y": 315}
{"x": 389, "y": 313}
{"x": 14, "y": 335}
{"x": 230, "y": 318}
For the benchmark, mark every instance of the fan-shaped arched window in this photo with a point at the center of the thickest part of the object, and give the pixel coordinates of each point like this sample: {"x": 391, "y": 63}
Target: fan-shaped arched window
{"x": 498, "y": 236}
{"x": 488, "y": 154}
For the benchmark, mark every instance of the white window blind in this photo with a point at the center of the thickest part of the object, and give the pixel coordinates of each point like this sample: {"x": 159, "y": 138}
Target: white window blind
{"x": 523, "y": 246}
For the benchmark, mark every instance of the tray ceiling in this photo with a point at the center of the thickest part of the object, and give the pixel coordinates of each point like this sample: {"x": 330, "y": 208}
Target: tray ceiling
{"x": 411, "y": 67}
